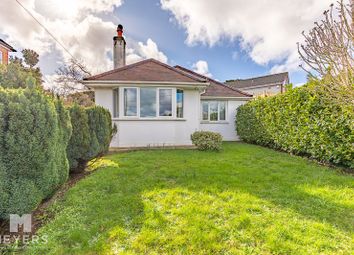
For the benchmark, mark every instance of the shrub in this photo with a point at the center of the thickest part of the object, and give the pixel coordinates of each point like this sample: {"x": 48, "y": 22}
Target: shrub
{"x": 34, "y": 133}
{"x": 207, "y": 141}
{"x": 79, "y": 143}
{"x": 92, "y": 134}
{"x": 304, "y": 121}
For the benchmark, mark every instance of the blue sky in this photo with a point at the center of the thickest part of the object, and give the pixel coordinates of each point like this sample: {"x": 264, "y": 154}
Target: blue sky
{"x": 226, "y": 59}
{"x": 226, "y": 39}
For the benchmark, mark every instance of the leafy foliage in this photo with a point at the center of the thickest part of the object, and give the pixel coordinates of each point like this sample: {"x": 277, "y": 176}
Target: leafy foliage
{"x": 304, "y": 121}
{"x": 34, "y": 133}
{"x": 207, "y": 141}
{"x": 16, "y": 75}
{"x": 30, "y": 57}
{"x": 92, "y": 134}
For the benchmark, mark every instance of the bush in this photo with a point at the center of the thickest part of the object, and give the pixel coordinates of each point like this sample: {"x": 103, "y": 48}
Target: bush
{"x": 207, "y": 141}
{"x": 92, "y": 134}
{"x": 34, "y": 133}
{"x": 304, "y": 121}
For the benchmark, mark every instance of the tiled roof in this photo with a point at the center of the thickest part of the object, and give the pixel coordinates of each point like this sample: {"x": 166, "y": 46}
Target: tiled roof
{"x": 147, "y": 70}
{"x": 272, "y": 79}
{"x": 6, "y": 45}
{"x": 216, "y": 89}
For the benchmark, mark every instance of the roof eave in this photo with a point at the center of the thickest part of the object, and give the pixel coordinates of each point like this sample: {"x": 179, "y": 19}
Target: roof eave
{"x": 110, "y": 83}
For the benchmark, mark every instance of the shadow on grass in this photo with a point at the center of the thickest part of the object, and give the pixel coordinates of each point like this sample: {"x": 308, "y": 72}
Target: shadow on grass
{"x": 108, "y": 205}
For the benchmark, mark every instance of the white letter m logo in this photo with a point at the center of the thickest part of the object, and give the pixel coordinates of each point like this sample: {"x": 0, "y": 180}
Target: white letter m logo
{"x": 25, "y": 221}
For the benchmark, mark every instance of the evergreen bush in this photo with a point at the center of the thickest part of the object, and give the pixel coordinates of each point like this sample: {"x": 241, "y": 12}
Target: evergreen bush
{"x": 303, "y": 121}
{"x": 34, "y": 133}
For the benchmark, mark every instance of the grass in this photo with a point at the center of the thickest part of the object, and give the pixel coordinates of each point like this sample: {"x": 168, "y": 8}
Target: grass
{"x": 243, "y": 200}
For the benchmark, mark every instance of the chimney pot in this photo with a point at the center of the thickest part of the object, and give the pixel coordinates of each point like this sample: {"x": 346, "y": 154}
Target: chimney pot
{"x": 120, "y": 30}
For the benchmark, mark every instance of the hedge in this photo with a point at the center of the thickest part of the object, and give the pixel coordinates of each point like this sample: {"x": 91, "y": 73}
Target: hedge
{"x": 303, "y": 121}
{"x": 34, "y": 133}
{"x": 92, "y": 134}
{"x": 207, "y": 140}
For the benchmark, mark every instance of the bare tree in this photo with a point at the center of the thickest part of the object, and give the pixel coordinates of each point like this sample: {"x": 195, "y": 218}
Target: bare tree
{"x": 328, "y": 50}
{"x": 69, "y": 77}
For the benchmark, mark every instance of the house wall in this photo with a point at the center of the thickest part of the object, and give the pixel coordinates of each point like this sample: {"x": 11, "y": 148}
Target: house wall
{"x": 269, "y": 90}
{"x": 141, "y": 133}
{"x": 227, "y": 129}
{"x": 5, "y": 55}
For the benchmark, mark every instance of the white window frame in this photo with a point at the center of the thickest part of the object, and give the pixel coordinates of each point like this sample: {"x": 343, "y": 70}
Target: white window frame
{"x": 1, "y": 57}
{"x": 218, "y": 120}
{"x": 157, "y": 117}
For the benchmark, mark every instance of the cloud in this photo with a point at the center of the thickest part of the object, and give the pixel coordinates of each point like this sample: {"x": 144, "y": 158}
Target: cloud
{"x": 144, "y": 51}
{"x": 78, "y": 25}
{"x": 266, "y": 30}
{"x": 202, "y": 68}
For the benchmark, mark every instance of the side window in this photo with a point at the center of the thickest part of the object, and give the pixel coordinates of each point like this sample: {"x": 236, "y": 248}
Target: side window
{"x": 179, "y": 102}
{"x": 0, "y": 57}
{"x": 116, "y": 103}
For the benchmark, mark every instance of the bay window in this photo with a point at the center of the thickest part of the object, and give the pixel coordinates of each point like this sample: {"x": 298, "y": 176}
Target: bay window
{"x": 213, "y": 111}
{"x": 148, "y": 102}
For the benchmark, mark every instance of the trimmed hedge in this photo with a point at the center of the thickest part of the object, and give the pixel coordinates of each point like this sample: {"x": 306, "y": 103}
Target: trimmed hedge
{"x": 303, "y": 121}
{"x": 34, "y": 133}
{"x": 207, "y": 141}
{"x": 92, "y": 134}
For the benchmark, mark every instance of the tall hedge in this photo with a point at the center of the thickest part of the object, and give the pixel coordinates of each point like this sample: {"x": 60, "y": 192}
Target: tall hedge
{"x": 92, "y": 134}
{"x": 34, "y": 133}
{"x": 304, "y": 121}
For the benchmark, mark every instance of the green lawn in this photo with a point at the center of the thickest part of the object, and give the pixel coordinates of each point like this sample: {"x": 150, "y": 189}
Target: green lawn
{"x": 243, "y": 200}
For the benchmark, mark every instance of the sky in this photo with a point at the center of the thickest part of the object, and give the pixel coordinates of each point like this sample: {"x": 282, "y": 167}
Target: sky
{"x": 223, "y": 39}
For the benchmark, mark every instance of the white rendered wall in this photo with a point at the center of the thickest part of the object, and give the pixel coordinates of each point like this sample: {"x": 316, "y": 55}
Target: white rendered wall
{"x": 227, "y": 129}
{"x": 167, "y": 132}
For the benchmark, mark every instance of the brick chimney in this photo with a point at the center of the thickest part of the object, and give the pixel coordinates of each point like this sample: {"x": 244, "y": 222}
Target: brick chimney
{"x": 119, "y": 48}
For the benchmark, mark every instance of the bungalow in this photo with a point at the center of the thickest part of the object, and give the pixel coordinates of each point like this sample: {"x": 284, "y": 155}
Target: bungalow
{"x": 154, "y": 104}
{"x": 4, "y": 52}
{"x": 260, "y": 86}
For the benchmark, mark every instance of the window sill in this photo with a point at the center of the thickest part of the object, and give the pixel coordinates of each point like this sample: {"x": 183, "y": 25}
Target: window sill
{"x": 213, "y": 122}
{"x": 148, "y": 119}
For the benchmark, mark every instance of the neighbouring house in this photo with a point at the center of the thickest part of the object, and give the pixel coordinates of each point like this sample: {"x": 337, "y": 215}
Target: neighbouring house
{"x": 5, "y": 48}
{"x": 154, "y": 104}
{"x": 263, "y": 85}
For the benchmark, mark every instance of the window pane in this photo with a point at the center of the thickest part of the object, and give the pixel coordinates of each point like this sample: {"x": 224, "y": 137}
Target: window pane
{"x": 205, "y": 106}
{"x": 165, "y": 98}
{"x": 0, "y": 57}
{"x": 222, "y": 111}
{"x": 213, "y": 111}
{"x": 180, "y": 103}
{"x": 130, "y": 100}
{"x": 116, "y": 103}
{"x": 147, "y": 102}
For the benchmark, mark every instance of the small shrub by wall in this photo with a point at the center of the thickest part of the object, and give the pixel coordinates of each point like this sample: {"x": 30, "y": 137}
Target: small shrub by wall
{"x": 34, "y": 133}
{"x": 207, "y": 141}
{"x": 91, "y": 136}
{"x": 303, "y": 121}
